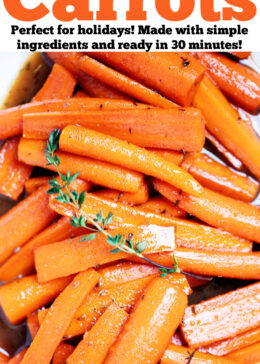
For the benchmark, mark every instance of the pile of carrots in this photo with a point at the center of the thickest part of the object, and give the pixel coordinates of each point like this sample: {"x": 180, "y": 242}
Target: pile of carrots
{"x": 134, "y": 126}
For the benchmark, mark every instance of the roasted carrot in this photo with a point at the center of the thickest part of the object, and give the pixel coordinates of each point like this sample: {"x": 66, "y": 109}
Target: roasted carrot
{"x": 170, "y": 155}
{"x": 17, "y": 359}
{"x": 224, "y": 122}
{"x": 62, "y": 353}
{"x": 3, "y": 358}
{"x": 178, "y": 77}
{"x": 23, "y": 221}
{"x": 59, "y": 84}
{"x": 160, "y": 205}
{"x": 74, "y": 255}
{"x": 123, "y": 83}
{"x": 176, "y": 354}
{"x": 97, "y": 342}
{"x": 222, "y": 317}
{"x": 148, "y": 335}
{"x": 239, "y": 83}
{"x": 59, "y": 317}
{"x": 81, "y": 93}
{"x": 23, "y": 296}
{"x": 33, "y": 324}
{"x": 13, "y": 173}
{"x": 237, "y": 217}
{"x": 241, "y": 55}
{"x": 98, "y": 172}
{"x": 32, "y": 184}
{"x": 197, "y": 282}
{"x": 249, "y": 355}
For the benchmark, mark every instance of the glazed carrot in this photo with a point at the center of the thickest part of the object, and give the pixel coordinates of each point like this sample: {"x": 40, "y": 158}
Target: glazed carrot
{"x": 13, "y": 173}
{"x": 224, "y": 122}
{"x": 123, "y": 83}
{"x": 237, "y": 217}
{"x": 33, "y": 324}
{"x": 97, "y": 145}
{"x": 176, "y": 354}
{"x": 62, "y": 353}
{"x": 241, "y": 55}
{"x": 23, "y": 296}
{"x": 73, "y": 255}
{"x": 17, "y": 359}
{"x": 148, "y": 335}
{"x": 187, "y": 234}
{"x": 178, "y": 77}
{"x": 249, "y": 355}
{"x": 222, "y": 317}
{"x": 3, "y": 358}
{"x": 239, "y": 83}
{"x": 59, "y": 317}
{"x": 23, "y": 221}
{"x": 97, "y": 342}
{"x": 98, "y": 172}
{"x": 195, "y": 282}
{"x": 170, "y": 155}
{"x": 59, "y": 84}
{"x": 34, "y": 183}
{"x": 160, "y": 205}
{"x": 80, "y": 93}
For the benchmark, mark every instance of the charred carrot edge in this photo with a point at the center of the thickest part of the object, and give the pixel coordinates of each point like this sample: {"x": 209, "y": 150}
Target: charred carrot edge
{"x": 143, "y": 327}
{"x": 251, "y": 354}
{"x": 59, "y": 84}
{"x": 97, "y": 342}
{"x": 34, "y": 183}
{"x": 13, "y": 173}
{"x": 123, "y": 83}
{"x": 224, "y": 122}
{"x": 17, "y": 305}
{"x": 241, "y": 55}
{"x": 33, "y": 324}
{"x": 239, "y": 83}
{"x": 160, "y": 205}
{"x": 234, "y": 216}
{"x": 228, "y": 315}
{"x": 59, "y": 317}
{"x": 17, "y": 359}
{"x": 178, "y": 77}
{"x": 98, "y": 172}
{"x": 62, "y": 353}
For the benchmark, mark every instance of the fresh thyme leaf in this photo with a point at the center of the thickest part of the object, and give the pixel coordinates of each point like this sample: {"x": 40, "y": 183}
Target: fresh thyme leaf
{"x": 82, "y": 198}
{"x": 88, "y": 237}
{"x": 111, "y": 240}
{"x": 72, "y": 178}
{"x": 115, "y": 251}
{"x": 140, "y": 247}
{"x": 108, "y": 219}
{"x": 163, "y": 275}
{"x": 53, "y": 190}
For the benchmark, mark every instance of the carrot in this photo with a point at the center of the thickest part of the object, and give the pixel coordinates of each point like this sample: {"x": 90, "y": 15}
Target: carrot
{"x": 170, "y": 155}
{"x": 17, "y": 359}
{"x": 59, "y": 84}
{"x": 33, "y": 324}
{"x": 3, "y": 358}
{"x": 62, "y": 353}
{"x": 74, "y": 255}
{"x": 160, "y": 205}
{"x": 148, "y": 335}
{"x": 224, "y": 122}
{"x": 176, "y": 354}
{"x": 187, "y": 234}
{"x": 178, "y": 77}
{"x": 98, "y": 172}
{"x": 237, "y": 217}
{"x": 97, "y": 145}
{"x": 241, "y": 55}
{"x": 25, "y": 295}
{"x": 222, "y": 317}
{"x": 97, "y": 342}
{"x": 59, "y": 317}
{"x": 32, "y": 184}
{"x": 28, "y": 218}
{"x": 238, "y": 82}
{"x": 249, "y": 355}
{"x": 195, "y": 282}
{"x": 80, "y": 93}
{"x": 13, "y": 173}
{"x": 123, "y": 83}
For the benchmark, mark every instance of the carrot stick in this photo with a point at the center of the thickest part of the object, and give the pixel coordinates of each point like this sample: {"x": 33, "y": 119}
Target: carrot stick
{"x": 98, "y": 172}
{"x": 17, "y": 359}
{"x": 97, "y": 342}
{"x": 90, "y": 143}
{"x": 176, "y": 354}
{"x": 222, "y": 317}
{"x": 178, "y": 77}
{"x": 123, "y": 83}
{"x": 187, "y": 234}
{"x": 13, "y": 173}
{"x": 80, "y": 93}
{"x": 241, "y": 55}
{"x": 148, "y": 335}
{"x": 33, "y": 324}
{"x": 74, "y": 255}
{"x": 237, "y": 217}
{"x": 23, "y": 296}
{"x": 28, "y": 218}
{"x": 170, "y": 155}
{"x": 62, "y": 353}
{"x": 239, "y": 83}
{"x": 224, "y": 122}
{"x": 59, "y": 317}
{"x": 195, "y": 282}
{"x": 59, "y": 84}
{"x": 160, "y": 205}
{"x": 249, "y": 355}
{"x": 4, "y": 358}
{"x": 34, "y": 183}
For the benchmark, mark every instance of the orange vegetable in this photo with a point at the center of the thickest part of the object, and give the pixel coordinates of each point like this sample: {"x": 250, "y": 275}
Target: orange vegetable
{"x": 59, "y": 317}
{"x": 237, "y": 217}
{"x": 178, "y": 77}
{"x": 33, "y": 324}
{"x": 59, "y": 84}
{"x": 23, "y": 221}
{"x": 224, "y": 122}
{"x": 249, "y": 355}
{"x": 4, "y": 358}
{"x": 93, "y": 144}
{"x": 25, "y": 295}
{"x": 241, "y": 55}
{"x": 17, "y": 359}
{"x": 97, "y": 342}
{"x": 13, "y": 174}
{"x": 148, "y": 335}
{"x": 62, "y": 353}
{"x": 32, "y": 184}
{"x": 81, "y": 93}
{"x": 123, "y": 83}
{"x": 222, "y": 317}
{"x": 169, "y": 155}
{"x": 160, "y": 205}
